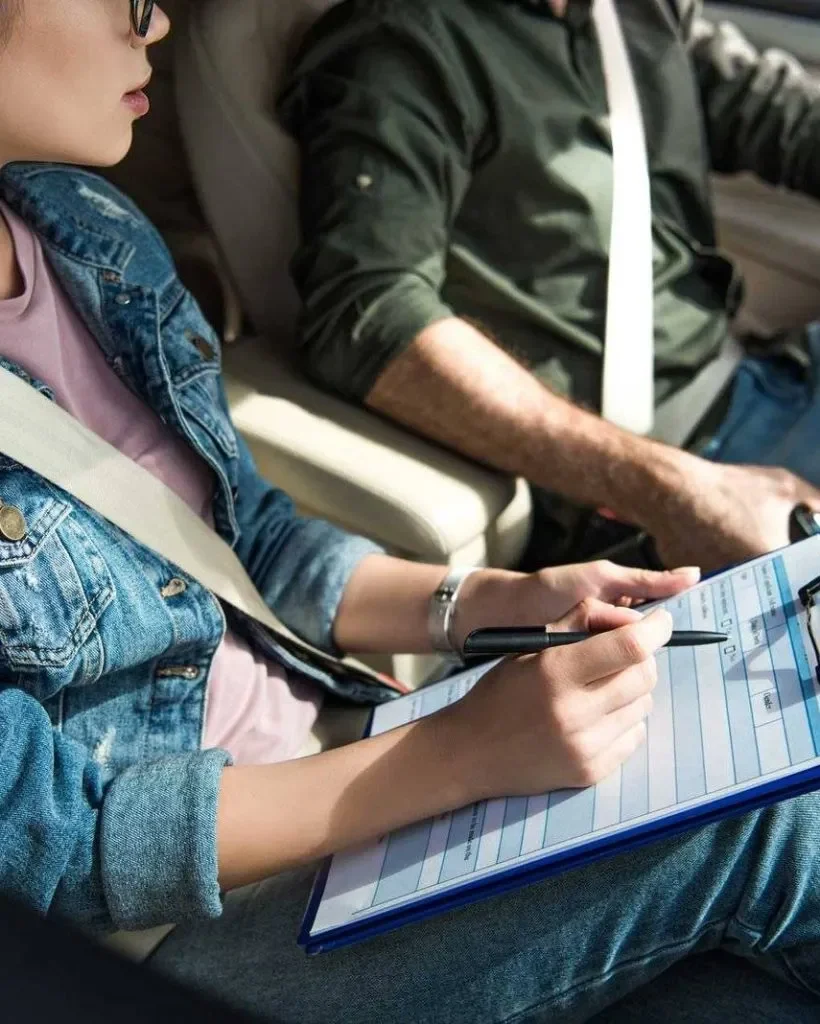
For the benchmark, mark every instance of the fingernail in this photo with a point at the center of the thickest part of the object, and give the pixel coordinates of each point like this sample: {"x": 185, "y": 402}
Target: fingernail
{"x": 687, "y": 570}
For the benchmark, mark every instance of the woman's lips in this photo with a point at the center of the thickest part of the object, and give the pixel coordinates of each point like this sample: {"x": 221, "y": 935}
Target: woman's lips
{"x": 138, "y": 102}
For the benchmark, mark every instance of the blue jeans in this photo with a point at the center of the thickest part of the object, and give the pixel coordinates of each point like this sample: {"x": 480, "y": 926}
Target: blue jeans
{"x": 614, "y": 939}
{"x": 774, "y": 416}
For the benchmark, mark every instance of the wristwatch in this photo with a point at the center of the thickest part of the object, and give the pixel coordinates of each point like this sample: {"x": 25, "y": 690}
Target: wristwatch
{"x": 443, "y": 609}
{"x": 803, "y": 522}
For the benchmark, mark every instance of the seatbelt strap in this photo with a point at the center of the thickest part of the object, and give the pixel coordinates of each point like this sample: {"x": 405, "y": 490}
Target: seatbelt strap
{"x": 628, "y": 389}
{"x": 677, "y": 417}
{"x": 38, "y": 434}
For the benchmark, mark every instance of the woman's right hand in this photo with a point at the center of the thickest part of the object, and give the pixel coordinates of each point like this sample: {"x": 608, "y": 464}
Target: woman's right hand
{"x": 566, "y": 718}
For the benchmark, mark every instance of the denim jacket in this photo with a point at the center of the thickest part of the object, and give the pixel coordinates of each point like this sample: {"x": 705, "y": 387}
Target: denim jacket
{"x": 107, "y": 804}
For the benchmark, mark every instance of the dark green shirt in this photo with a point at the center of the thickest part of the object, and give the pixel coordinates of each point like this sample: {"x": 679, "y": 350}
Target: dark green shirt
{"x": 457, "y": 160}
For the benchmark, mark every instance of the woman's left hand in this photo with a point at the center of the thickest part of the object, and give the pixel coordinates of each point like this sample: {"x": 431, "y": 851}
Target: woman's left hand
{"x": 495, "y": 598}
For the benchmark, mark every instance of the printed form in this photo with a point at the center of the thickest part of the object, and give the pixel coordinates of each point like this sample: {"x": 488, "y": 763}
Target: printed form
{"x": 726, "y": 718}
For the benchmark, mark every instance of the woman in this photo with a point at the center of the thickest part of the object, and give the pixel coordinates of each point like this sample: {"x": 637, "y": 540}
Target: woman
{"x": 148, "y": 746}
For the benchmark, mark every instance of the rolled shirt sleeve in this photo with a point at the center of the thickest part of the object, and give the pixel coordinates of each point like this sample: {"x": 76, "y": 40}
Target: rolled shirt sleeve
{"x": 131, "y": 853}
{"x": 387, "y": 124}
{"x": 762, "y": 110}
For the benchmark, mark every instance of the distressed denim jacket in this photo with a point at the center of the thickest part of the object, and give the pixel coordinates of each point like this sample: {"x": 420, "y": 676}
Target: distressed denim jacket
{"x": 107, "y": 804}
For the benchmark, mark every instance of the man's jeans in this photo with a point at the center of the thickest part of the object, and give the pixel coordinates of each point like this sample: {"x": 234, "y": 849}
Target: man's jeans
{"x": 774, "y": 415}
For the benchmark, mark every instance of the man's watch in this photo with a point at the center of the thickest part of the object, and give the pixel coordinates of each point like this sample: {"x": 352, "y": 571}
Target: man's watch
{"x": 442, "y": 611}
{"x": 803, "y": 522}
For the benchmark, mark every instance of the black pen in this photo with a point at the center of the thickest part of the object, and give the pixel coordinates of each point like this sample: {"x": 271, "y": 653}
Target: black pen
{"x": 498, "y": 641}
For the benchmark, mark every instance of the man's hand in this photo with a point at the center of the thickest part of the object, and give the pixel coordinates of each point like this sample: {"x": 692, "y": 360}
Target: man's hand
{"x": 562, "y": 719}
{"x": 720, "y": 514}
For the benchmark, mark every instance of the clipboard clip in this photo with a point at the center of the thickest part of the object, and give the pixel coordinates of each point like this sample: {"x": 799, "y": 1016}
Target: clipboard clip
{"x": 808, "y": 596}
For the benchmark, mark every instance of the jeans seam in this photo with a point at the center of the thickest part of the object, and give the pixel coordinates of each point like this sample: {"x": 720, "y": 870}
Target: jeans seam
{"x": 754, "y": 933}
{"x": 792, "y": 971}
{"x": 521, "y": 1015}
{"x": 783, "y": 957}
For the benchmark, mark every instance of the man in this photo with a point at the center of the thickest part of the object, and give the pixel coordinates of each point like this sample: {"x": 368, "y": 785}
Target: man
{"x": 456, "y": 206}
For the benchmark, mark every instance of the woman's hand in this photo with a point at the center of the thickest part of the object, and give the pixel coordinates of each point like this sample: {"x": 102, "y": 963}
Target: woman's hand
{"x": 562, "y": 719}
{"x": 566, "y": 718}
{"x": 496, "y": 598}
{"x": 562, "y": 587}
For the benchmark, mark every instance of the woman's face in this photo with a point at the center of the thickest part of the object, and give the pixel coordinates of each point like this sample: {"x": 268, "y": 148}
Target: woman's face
{"x": 70, "y": 75}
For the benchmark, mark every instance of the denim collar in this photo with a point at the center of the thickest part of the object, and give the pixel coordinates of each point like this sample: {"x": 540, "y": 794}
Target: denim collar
{"x": 52, "y": 201}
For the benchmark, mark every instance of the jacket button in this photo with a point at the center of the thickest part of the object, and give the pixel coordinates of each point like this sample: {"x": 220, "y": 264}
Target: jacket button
{"x": 204, "y": 347}
{"x": 13, "y": 526}
{"x": 173, "y": 588}
{"x": 123, "y": 299}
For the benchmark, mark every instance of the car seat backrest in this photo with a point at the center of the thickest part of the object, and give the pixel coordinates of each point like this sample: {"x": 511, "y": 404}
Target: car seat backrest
{"x": 231, "y": 66}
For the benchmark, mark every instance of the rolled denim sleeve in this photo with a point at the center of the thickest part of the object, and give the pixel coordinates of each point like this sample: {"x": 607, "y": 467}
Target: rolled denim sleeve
{"x": 387, "y": 123}
{"x": 131, "y": 853}
{"x": 762, "y": 110}
{"x": 299, "y": 564}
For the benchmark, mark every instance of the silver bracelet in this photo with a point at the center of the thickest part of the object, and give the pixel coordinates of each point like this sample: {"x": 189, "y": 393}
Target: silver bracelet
{"x": 442, "y": 610}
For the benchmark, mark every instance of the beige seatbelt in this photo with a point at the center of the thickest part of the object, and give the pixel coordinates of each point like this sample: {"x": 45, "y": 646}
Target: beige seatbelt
{"x": 37, "y": 433}
{"x": 677, "y": 417}
{"x": 628, "y": 390}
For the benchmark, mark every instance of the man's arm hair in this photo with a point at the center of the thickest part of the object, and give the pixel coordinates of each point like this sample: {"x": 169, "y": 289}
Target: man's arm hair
{"x": 455, "y": 385}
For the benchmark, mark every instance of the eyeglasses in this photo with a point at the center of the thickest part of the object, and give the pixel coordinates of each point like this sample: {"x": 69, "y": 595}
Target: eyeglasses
{"x": 141, "y": 14}
{"x": 808, "y": 598}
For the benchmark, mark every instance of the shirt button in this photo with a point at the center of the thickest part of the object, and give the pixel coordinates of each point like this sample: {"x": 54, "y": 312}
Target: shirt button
{"x": 13, "y": 526}
{"x": 123, "y": 299}
{"x": 173, "y": 588}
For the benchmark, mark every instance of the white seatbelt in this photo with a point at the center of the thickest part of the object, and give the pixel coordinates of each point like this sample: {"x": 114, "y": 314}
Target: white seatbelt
{"x": 628, "y": 390}
{"x": 38, "y": 434}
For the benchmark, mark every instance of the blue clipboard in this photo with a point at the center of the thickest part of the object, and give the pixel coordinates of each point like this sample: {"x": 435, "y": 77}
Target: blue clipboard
{"x": 791, "y": 785}
{"x": 548, "y": 865}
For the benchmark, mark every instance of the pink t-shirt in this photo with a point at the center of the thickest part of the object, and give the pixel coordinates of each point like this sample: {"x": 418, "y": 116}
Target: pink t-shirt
{"x": 253, "y": 709}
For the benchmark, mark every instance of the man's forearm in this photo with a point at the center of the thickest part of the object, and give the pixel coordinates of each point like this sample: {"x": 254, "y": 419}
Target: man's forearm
{"x": 456, "y": 386}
